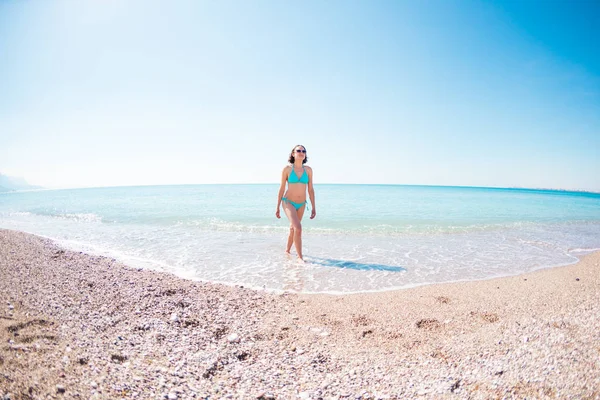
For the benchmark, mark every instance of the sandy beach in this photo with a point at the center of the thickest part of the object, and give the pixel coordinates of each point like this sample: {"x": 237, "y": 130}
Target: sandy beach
{"x": 74, "y": 325}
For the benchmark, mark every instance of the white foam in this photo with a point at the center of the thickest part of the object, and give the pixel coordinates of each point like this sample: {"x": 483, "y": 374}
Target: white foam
{"x": 584, "y": 250}
{"x": 81, "y": 217}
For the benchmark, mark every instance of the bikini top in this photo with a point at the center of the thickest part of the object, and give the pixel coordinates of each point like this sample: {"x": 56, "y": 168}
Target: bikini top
{"x": 293, "y": 178}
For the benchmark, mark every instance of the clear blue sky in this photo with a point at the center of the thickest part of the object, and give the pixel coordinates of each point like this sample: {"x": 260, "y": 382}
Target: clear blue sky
{"x": 110, "y": 92}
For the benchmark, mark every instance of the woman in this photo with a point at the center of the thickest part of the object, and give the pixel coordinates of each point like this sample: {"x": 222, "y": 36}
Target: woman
{"x": 298, "y": 178}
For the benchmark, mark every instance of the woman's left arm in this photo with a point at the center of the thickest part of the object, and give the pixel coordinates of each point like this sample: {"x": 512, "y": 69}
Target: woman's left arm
{"x": 311, "y": 193}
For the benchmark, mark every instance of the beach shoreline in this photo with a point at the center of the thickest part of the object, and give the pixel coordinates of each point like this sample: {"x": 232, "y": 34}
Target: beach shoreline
{"x": 74, "y": 324}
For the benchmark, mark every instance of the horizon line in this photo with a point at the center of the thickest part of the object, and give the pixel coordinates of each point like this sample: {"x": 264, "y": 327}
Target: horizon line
{"x": 41, "y": 188}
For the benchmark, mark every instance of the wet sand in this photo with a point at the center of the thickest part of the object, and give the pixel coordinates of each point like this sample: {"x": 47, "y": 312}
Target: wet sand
{"x": 74, "y": 325}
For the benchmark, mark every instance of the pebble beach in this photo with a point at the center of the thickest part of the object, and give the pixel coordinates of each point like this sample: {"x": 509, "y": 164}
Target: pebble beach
{"x": 74, "y": 325}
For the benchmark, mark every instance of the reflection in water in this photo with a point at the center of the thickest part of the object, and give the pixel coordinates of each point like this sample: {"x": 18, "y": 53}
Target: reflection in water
{"x": 330, "y": 262}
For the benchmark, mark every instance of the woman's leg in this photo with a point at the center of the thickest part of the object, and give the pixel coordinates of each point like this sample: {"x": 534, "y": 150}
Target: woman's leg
{"x": 290, "y": 240}
{"x": 294, "y": 217}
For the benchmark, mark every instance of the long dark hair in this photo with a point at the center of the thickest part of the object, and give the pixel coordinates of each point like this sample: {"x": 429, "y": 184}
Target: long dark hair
{"x": 292, "y": 159}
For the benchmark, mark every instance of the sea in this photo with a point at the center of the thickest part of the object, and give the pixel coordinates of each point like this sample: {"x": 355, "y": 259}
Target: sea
{"x": 364, "y": 238}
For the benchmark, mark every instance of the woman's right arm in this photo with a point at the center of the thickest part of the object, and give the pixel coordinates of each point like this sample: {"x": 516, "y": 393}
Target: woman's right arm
{"x": 281, "y": 190}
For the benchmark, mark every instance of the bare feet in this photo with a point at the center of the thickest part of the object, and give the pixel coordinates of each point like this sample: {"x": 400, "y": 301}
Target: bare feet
{"x": 300, "y": 260}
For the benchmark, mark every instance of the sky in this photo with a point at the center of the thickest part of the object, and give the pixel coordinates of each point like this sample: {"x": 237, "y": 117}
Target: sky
{"x": 465, "y": 93}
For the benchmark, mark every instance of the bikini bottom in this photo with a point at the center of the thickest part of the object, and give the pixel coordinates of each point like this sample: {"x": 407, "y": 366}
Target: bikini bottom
{"x": 297, "y": 206}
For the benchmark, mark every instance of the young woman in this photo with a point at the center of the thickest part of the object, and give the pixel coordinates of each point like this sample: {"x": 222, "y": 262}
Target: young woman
{"x": 298, "y": 177}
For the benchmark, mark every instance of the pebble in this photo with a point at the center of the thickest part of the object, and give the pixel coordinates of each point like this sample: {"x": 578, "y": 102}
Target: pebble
{"x": 233, "y": 338}
{"x": 272, "y": 362}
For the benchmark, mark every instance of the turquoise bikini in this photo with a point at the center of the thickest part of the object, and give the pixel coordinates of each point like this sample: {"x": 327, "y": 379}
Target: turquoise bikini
{"x": 293, "y": 178}
{"x": 297, "y": 206}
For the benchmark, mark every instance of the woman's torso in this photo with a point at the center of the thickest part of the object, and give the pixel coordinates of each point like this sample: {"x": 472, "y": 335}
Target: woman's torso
{"x": 296, "y": 188}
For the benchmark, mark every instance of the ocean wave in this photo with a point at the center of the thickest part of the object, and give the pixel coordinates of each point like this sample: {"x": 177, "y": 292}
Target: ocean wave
{"x": 399, "y": 229}
{"x": 77, "y": 217}
{"x": 233, "y": 226}
{"x": 584, "y": 250}
{"x": 19, "y": 214}
{"x": 83, "y": 217}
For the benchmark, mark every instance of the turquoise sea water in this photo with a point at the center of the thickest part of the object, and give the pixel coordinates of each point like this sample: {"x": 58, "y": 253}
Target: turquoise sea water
{"x": 365, "y": 237}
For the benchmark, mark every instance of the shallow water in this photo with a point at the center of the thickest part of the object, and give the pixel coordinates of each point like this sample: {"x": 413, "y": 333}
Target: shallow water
{"x": 365, "y": 237}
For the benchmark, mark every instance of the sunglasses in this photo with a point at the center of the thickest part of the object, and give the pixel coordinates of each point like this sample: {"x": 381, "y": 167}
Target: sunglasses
{"x": 300, "y": 151}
